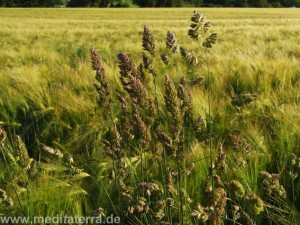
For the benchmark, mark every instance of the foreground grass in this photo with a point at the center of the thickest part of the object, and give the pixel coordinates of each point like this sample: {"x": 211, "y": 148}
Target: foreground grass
{"x": 47, "y": 96}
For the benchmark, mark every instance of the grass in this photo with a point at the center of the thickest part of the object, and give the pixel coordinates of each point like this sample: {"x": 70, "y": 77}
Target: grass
{"x": 47, "y": 96}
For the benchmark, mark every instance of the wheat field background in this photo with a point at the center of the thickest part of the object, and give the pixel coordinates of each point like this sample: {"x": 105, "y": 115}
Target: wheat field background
{"x": 47, "y": 97}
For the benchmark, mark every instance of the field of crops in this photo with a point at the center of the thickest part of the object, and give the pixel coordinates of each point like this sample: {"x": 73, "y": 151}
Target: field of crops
{"x": 151, "y": 125}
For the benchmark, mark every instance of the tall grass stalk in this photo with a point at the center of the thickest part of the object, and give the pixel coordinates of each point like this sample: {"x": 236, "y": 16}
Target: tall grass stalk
{"x": 210, "y": 123}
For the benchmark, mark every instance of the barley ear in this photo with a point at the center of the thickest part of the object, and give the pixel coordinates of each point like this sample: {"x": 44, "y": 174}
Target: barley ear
{"x": 52, "y": 151}
{"x": 21, "y": 152}
{"x": 2, "y": 135}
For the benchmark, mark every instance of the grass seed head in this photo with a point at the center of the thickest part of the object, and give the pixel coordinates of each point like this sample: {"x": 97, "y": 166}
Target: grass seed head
{"x": 255, "y": 203}
{"x": 141, "y": 206}
{"x": 21, "y": 152}
{"x": 2, "y": 135}
{"x": 33, "y": 170}
{"x": 131, "y": 81}
{"x": 173, "y": 105}
{"x": 170, "y": 202}
{"x": 271, "y": 185}
{"x": 3, "y": 194}
{"x": 159, "y": 208}
{"x": 9, "y": 203}
{"x": 185, "y": 95}
{"x": 167, "y": 142}
{"x": 219, "y": 206}
{"x": 220, "y": 162}
{"x": 172, "y": 43}
{"x": 243, "y": 99}
{"x": 189, "y": 56}
{"x": 102, "y": 86}
{"x": 97, "y": 213}
{"x": 52, "y": 151}
{"x": 143, "y": 130}
{"x": 196, "y": 81}
{"x": 200, "y": 213}
{"x": 165, "y": 59}
{"x": 68, "y": 159}
{"x": 148, "y": 188}
{"x": 148, "y": 41}
{"x": 199, "y": 26}
{"x": 210, "y": 40}
{"x": 148, "y": 63}
{"x": 169, "y": 183}
{"x": 75, "y": 172}
{"x": 237, "y": 188}
{"x": 6, "y": 201}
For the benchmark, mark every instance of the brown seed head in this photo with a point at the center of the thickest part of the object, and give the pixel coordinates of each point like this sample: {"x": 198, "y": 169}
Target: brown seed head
{"x": 148, "y": 41}
{"x": 172, "y": 43}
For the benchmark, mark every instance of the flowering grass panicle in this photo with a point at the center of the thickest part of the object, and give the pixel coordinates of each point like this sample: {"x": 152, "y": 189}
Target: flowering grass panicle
{"x": 148, "y": 41}
{"x": 6, "y": 201}
{"x": 131, "y": 80}
{"x": 102, "y": 86}
{"x": 173, "y": 106}
{"x": 172, "y": 42}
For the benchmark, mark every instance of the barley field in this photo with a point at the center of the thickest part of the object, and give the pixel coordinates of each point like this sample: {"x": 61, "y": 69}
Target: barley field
{"x": 120, "y": 112}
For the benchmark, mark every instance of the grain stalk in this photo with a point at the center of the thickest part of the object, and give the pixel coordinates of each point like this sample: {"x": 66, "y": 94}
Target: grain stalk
{"x": 2, "y": 139}
{"x": 198, "y": 30}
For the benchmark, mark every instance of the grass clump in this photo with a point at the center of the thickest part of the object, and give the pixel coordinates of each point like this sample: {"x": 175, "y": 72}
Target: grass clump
{"x": 159, "y": 136}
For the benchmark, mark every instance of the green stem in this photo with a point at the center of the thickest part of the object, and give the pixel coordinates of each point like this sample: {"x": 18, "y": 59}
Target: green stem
{"x": 210, "y": 124}
{"x": 142, "y": 166}
{"x": 180, "y": 196}
{"x": 155, "y": 93}
{"x": 28, "y": 202}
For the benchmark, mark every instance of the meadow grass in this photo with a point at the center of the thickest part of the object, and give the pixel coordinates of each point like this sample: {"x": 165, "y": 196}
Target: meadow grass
{"x": 47, "y": 96}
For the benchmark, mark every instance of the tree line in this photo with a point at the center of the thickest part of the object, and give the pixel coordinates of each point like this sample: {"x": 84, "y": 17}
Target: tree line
{"x": 32, "y": 3}
{"x": 149, "y": 3}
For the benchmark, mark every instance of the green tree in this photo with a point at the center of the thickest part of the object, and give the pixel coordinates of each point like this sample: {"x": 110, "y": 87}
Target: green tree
{"x": 169, "y": 3}
{"x": 211, "y": 3}
{"x": 259, "y": 3}
{"x": 290, "y": 3}
{"x": 197, "y": 3}
{"x": 31, "y": 3}
{"x": 240, "y": 3}
{"x": 2, "y": 3}
{"x": 104, "y": 3}
{"x": 26, "y": 3}
{"x": 51, "y": 3}
{"x": 160, "y": 3}
{"x": 145, "y": 3}
{"x": 79, "y": 3}
{"x": 178, "y": 3}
